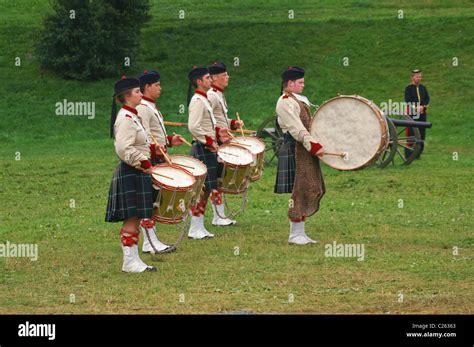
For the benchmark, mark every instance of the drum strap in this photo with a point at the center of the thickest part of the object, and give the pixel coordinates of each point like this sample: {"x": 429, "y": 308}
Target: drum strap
{"x": 209, "y": 108}
{"x": 223, "y": 104}
{"x": 303, "y": 99}
{"x": 138, "y": 122}
{"x": 158, "y": 115}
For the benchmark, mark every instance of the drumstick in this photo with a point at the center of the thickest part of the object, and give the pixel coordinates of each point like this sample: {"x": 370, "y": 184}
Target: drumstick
{"x": 246, "y": 131}
{"x": 154, "y": 173}
{"x": 153, "y": 138}
{"x": 241, "y": 144}
{"x": 156, "y": 143}
{"x": 178, "y": 124}
{"x": 189, "y": 167}
{"x": 168, "y": 160}
{"x": 235, "y": 155}
{"x": 342, "y": 155}
{"x": 184, "y": 140}
{"x": 168, "y": 177}
{"x": 241, "y": 127}
{"x": 159, "y": 147}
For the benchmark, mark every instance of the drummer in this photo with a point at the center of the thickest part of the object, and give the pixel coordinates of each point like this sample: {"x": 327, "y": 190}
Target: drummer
{"x": 215, "y": 95}
{"x": 298, "y": 169}
{"x": 153, "y": 122}
{"x": 130, "y": 193}
{"x": 203, "y": 127}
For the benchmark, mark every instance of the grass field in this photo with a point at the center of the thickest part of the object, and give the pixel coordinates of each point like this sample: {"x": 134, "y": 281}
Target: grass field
{"x": 411, "y": 264}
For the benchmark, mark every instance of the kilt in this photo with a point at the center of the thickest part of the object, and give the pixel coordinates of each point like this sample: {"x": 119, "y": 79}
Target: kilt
{"x": 130, "y": 194}
{"x": 285, "y": 178}
{"x": 214, "y": 169}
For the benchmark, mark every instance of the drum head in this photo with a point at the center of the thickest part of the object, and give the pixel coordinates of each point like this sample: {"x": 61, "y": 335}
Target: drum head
{"x": 351, "y": 125}
{"x": 253, "y": 144}
{"x": 235, "y": 155}
{"x": 193, "y": 165}
{"x": 172, "y": 177}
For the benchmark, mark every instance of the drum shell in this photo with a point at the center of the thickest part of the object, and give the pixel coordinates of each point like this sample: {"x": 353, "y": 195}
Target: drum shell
{"x": 235, "y": 177}
{"x": 200, "y": 179}
{"x": 172, "y": 206}
{"x": 198, "y": 186}
{"x": 256, "y": 170}
{"x": 172, "y": 202}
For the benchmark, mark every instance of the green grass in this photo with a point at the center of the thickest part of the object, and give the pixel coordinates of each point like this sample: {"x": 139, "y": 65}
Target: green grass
{"x": 409, "y": 250}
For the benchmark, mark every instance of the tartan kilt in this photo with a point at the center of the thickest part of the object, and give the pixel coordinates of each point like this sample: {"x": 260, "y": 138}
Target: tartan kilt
{"x": 214, "y": 169}
{"x": 130, "y": 194}
{"x": 286, "y": 170}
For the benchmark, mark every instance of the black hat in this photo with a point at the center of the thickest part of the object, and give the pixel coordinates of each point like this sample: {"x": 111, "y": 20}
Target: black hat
{"x": 197, "y": 72}
{"x": 149, "y": 77}
{"x": 194, "y": 74}
{"x": 217, "y": 67}
{"x": 292, "y": 73}
{"x": 125, "y": 83}
{"x": 122, "y": 85}
{"x": 416, "y": 71}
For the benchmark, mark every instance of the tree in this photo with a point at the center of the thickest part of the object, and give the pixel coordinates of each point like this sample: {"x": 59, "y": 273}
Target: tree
{"x": 91, "y": 39}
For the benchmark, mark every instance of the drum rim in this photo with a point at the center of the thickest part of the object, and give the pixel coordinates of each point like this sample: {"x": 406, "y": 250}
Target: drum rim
{"x": 253, "y": 138}
{"x": 171, "y": 188}
{"x": 384, "y": 129}
{"x": 197, "y": 161}
{"x": 236, "y": 165}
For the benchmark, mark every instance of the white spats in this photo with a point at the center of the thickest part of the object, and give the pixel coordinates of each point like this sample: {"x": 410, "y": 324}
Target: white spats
{"x": 218, "y": 214}
{"x": 132, "y": 261}
{"x": 297, "y": 234}
{"x": 150, "y": 240}
{"x": 197, "y": 230}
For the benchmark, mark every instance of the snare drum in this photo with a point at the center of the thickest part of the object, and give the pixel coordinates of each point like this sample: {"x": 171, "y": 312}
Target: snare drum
{"x": 197, "y": 168}
{"x": 257, "y": 147}
{"x": 353, "y": 126}
{"x": 176, "y": 187}
{"x": 237, "y": 161}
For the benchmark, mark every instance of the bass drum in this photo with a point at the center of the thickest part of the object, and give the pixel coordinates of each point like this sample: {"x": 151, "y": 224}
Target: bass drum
{"x": 352, "y": 126}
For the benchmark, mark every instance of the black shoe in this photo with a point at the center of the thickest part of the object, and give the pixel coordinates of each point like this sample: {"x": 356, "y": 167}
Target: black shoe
{"x": 151, "y": 269}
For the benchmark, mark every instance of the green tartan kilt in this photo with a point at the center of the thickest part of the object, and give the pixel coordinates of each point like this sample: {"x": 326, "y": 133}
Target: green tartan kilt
{"x": 130, "y": 194}
{"x": 286, "y": 169}
{"x": 214, "y": 169}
